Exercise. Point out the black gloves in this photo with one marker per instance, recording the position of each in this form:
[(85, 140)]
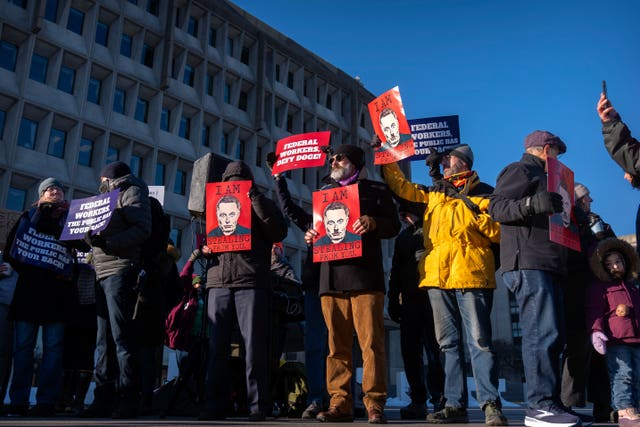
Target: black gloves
[(271, 159), (433, 160), (543, 202), (394, 308), (95, 240)]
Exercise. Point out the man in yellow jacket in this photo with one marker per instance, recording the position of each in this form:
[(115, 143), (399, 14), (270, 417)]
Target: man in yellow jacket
[(458, 270)]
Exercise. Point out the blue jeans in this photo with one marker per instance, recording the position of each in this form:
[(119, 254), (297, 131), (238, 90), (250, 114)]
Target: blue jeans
[(539, 297), (465, 311), (252, 310), (623, 362), (50, 371), (116, 349), (315, 349)]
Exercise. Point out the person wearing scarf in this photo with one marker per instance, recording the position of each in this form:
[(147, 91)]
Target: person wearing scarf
[(458, 271), (44, 297)]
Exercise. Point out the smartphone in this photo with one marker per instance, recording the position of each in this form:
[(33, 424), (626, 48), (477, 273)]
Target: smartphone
[(604, 88)]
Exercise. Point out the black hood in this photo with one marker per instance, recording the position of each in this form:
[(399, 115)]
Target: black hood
[(239, 170)]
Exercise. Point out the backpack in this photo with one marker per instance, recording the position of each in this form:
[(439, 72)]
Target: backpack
[(157, 241), (180, 322), (290, 389)]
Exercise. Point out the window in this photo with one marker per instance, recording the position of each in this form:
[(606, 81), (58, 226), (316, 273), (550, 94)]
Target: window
[(227, 93), (259, 156), (229, 46), (102, 33), (118, 101), (16, 199), (19, 3), (164, 119), (8, 55), (125, 45), (153, 7), (85, 154), (147, 55), (93, 92), (136, 165), (113, 154), (204, 140), (328, 103), (39, 65), (3, 117), (192, 26), (177, 23), (188, 75), (180, 185), (290, 80), (185, 125), (243, 101), (160, 169), (213, 36), (176, 236), (224, 142), (67, 79), (51, 11), (142, 110), (290, 123), (57, 140), (76, 20), (27, 134), (244, 55), (209, 84), (240, 150), (277, 72)]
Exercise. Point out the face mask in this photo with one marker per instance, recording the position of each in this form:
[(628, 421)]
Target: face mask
[(104, 186)]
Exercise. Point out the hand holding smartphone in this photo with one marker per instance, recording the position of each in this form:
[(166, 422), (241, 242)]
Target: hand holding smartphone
[(604, 88)]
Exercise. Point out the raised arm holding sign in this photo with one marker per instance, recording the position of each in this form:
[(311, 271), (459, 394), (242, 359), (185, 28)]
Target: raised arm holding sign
[(391, 126)]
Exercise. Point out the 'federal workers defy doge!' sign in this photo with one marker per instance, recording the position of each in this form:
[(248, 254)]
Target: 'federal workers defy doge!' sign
[(91, 213), (301, 151)]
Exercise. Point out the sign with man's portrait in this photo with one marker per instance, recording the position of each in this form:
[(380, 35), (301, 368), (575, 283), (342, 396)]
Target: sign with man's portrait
[(334, 212), (390, 124), (228, 216), (562, 226), (301, 151)]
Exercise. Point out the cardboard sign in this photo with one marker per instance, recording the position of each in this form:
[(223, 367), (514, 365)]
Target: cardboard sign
[(334, 212), (562, 226), (433, 133), (391, 126), (301, 151), (228, 216), (41, 250), (157, 191), (91, 213)]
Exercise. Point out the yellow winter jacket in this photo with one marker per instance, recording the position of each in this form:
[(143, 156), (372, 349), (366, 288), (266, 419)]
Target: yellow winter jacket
[(456, 240)]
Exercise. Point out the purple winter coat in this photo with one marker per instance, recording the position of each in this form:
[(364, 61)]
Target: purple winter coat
[(605, 294)]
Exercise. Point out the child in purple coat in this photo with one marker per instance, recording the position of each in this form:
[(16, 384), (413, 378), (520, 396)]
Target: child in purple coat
[(613, 316)]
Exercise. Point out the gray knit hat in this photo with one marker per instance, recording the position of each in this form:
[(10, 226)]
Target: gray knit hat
[(46, 183), (580, 191), (461, 151)]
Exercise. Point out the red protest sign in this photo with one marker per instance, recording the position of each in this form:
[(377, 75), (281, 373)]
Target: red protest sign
[(334, 212), (391, 126), (228, 216), (301, 151), (562, 226)]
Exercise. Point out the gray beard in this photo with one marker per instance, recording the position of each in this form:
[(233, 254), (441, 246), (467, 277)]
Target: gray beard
[(341, 173)]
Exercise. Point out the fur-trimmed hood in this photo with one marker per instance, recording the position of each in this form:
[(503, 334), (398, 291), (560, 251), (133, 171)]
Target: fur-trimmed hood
[(612, 244)]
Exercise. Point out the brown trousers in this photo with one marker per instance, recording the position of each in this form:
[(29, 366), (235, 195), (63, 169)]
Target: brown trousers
[(362, 311)]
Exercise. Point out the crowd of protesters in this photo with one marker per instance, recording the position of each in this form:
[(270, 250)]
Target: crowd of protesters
[(107, 307)]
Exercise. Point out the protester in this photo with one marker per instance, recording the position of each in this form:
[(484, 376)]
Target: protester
[(352, 293), (460, 290), (579, 362), (612, 319), (410, 307), (8, 278), (238, 286), (622, 147), (44, 298), (535, 269), (117, 261), (315, 330), (80, 341)]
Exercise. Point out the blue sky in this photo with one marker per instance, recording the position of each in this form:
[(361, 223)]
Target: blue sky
[(506, 67)]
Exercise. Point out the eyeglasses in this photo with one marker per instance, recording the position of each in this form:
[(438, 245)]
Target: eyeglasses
[(336, 158), (53, 190)]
